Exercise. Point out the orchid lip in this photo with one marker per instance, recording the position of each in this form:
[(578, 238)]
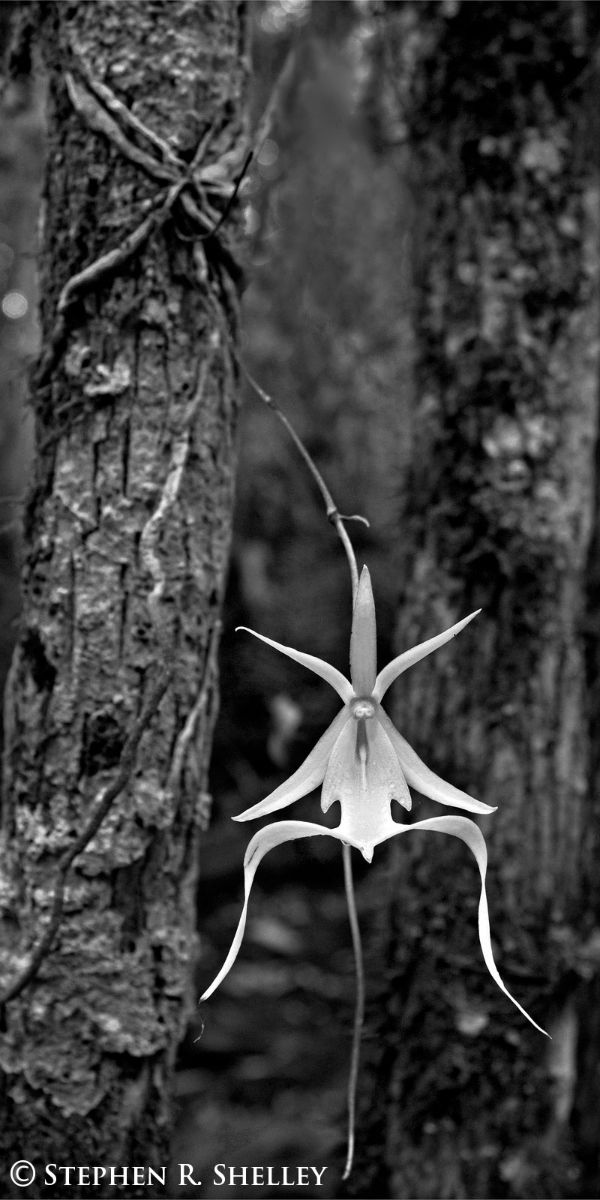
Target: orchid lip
[(284, 831)]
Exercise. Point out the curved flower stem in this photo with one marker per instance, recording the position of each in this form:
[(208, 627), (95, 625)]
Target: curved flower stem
[(337, 520), (359, 1007), (333, 513)]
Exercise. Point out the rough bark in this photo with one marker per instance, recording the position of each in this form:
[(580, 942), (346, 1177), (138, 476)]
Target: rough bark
[(128, 532), (465, 1098)]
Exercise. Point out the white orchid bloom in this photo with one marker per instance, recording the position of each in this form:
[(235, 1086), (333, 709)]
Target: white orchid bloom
[(364, 763)]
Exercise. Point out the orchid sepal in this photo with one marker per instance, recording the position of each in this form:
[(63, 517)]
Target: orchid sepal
[(330, 674), (363, 638), (399, 665)]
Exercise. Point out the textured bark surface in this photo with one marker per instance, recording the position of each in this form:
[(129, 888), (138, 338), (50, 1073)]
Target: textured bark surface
[(465, 1098), (128, 534)]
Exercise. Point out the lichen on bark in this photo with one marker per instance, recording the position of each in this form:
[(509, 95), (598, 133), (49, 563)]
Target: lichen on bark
[(135, 418)]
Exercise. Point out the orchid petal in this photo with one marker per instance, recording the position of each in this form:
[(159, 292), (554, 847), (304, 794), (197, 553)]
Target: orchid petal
[(364, 775), (330, 674), (363, 639), (470, 833), (423, 779), (308, 776), (400, 664), (266, 839)]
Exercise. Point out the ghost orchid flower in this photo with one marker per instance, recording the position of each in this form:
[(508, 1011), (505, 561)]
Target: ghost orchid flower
[(364, 763)]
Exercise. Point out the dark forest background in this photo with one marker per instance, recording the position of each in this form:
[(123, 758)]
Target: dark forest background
[(385, 197)]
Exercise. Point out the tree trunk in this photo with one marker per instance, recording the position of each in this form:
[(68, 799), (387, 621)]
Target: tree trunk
[(465, 1098), (113, 686)]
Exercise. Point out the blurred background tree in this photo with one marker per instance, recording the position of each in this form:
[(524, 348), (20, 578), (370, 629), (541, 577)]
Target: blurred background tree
[(500, 513)]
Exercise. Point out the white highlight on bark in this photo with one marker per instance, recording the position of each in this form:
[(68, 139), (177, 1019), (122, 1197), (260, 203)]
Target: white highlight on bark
[(149, 540)]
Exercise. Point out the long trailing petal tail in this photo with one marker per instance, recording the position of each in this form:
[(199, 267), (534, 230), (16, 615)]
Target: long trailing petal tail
[(419, 776), (288, 831), (330, 674), (308, 776), (400, 664), (266, 839), (469, 833)]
